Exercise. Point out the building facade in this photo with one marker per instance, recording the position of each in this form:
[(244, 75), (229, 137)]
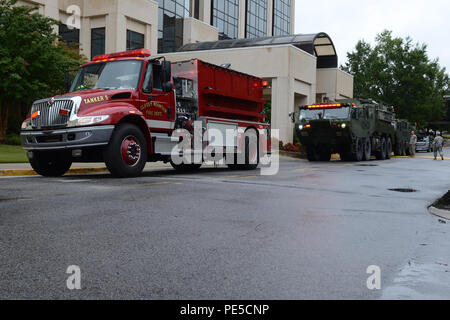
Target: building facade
[(299, 73), (103, 26)]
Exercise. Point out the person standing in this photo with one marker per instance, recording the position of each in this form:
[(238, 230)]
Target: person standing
[(412, 144), (438, 145)]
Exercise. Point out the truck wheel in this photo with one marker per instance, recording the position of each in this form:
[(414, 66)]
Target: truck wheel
[(381, 154), (311, 153), (388, 148), (51, 164), (126, 154), (358, 153), (367, 149)]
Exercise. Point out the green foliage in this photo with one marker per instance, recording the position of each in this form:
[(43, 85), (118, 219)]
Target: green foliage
[(32, 59), (13, 139), (398, 72), (268, 111)]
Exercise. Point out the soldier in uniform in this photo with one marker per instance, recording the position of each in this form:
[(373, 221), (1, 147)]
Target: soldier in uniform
[(412, 144), (438, 145)]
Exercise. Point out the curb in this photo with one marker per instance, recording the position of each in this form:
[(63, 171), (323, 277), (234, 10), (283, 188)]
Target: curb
[(439, 213), (30, 172)]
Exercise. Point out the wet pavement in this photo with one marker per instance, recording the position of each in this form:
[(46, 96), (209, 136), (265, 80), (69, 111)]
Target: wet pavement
[(309, 232)]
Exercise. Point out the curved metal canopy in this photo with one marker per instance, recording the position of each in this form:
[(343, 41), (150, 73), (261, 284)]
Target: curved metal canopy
[(318, 44)]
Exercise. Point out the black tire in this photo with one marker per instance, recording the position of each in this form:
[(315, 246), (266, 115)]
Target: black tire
[(388, 148), (52, 163), (249, 164), (126, 134), (358, 152), (367, 149), (381, 154), (311, 154)]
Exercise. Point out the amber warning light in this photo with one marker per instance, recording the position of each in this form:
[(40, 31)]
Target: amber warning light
[(327, 106)]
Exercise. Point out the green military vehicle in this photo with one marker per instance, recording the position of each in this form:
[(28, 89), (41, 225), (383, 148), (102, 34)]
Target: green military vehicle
[(403, 130), (356, 129)]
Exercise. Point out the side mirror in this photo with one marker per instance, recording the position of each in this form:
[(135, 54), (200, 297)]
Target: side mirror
[(166, 68), (292, 116)]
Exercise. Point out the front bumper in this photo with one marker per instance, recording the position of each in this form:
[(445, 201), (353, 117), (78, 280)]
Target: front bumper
[(67, 138)]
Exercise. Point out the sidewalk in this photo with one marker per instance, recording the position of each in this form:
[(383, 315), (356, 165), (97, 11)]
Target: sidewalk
[(24, 169)]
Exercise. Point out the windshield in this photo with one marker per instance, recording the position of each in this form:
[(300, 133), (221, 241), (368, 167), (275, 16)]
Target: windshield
[(327, 114), (109, 76)]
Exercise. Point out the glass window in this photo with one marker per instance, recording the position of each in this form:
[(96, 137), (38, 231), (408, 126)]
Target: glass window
[(70, 36), (171, 14), (97, 42), (256, 23), (225, 17), (135, 40), (108, 76), (327, 114), (281, 17)]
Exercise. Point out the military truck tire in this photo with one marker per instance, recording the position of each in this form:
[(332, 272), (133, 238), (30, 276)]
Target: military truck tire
[(311, 154), (358, 153), (126, 154), (388, 148), (367, 149), (381, 154), (51, 164)]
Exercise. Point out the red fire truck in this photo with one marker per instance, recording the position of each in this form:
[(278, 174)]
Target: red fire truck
[(123, 108)]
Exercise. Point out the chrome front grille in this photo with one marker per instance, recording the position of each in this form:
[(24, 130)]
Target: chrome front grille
[(56, 114)]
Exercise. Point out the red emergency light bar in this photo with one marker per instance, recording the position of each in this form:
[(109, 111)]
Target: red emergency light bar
[(124, 54)]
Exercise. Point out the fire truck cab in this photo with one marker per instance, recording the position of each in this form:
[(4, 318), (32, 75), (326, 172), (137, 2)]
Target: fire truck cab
[(127, 108)]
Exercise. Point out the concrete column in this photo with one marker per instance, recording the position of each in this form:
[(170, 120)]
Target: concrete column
[(282, 105), (242, 18), (151, 38), (269, 18), (51, 10), (292, 16), (205, 11), (85, 37)]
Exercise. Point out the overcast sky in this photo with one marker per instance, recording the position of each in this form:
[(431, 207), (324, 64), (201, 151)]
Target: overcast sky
[(347, 21)]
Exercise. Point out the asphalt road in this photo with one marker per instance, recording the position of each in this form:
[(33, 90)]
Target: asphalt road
[(309, 232)]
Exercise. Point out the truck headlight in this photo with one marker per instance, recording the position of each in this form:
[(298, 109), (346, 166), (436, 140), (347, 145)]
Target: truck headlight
[(87, 121), (300, 127), (26, 125), (344, 125)]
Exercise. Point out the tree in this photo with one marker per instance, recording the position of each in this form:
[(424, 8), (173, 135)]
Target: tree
[(32, 60), (398, 72)]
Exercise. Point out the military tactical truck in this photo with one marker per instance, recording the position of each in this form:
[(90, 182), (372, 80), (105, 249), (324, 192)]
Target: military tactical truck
[(356, 129), (403, 130)]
